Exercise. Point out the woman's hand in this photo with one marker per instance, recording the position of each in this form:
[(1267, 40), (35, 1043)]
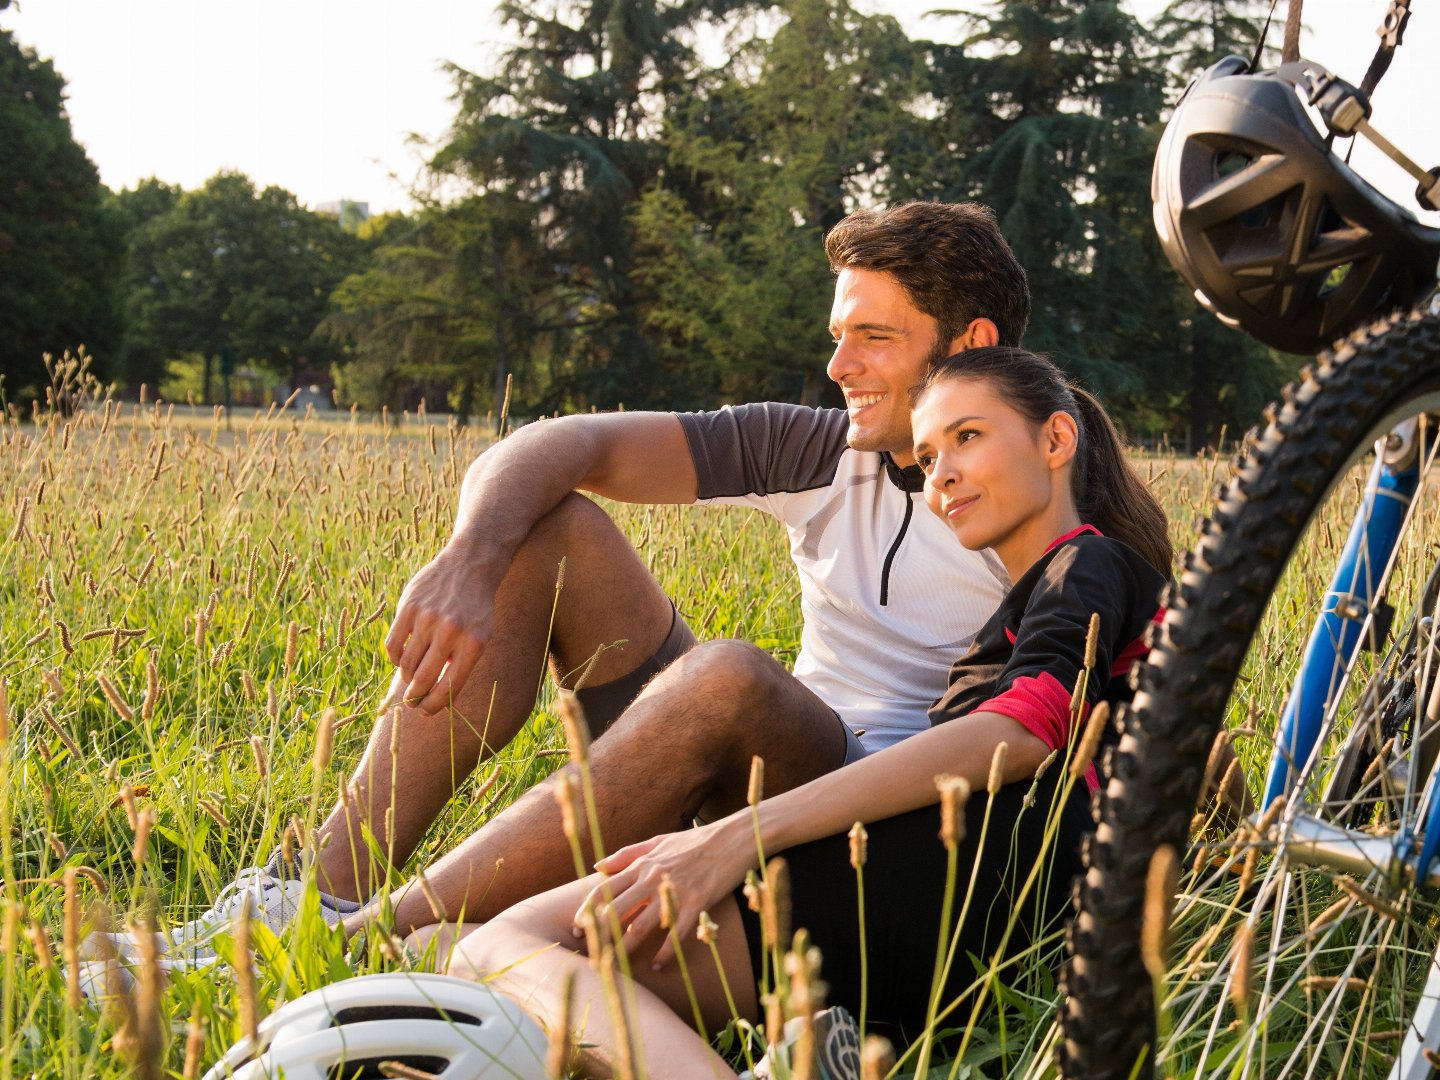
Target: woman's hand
[(703, 865)]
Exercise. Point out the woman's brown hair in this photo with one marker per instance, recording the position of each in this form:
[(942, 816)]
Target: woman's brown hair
[(1108, 492)]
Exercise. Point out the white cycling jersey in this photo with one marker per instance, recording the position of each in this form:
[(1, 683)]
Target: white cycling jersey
[(890, 598)]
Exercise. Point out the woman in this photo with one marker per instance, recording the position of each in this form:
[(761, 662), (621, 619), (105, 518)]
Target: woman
[(1018, 461)]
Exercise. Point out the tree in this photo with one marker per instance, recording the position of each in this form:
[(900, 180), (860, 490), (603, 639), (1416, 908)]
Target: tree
[(441, 307), (1050, 112), (59, 248), (771, 150), (567, 129), (227, 267), (1046, 114), (144, 356), (1193, 34)]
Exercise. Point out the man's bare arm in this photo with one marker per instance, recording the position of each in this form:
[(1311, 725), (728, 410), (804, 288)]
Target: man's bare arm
[(444, 615)]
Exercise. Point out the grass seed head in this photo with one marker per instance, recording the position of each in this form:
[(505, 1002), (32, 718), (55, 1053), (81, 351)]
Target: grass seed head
[(754, 890), (144, 821), (152, 690), (14, 916), (877, 1058), (324, 743), (997, 768), (1160, 886), (194, 1043), (431, 897), (577, 731), (954, 795), (70, 937), (775, 905), (292, 645), (112, 695), (245, 974), (261, 756), (755, 790), (40, 941), (1240, 968), (667, 902), (557, 1055), (1095, 727), (859, 845), (1092, 640), (127, 800), (565, 796)]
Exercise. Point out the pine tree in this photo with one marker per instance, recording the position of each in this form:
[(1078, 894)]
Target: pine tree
[(567, 128)]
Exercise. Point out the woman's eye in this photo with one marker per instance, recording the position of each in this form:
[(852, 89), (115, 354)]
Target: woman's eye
[(926, 462)]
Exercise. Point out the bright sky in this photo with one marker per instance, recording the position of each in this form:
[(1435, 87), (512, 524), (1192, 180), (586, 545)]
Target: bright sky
[(321, 96)]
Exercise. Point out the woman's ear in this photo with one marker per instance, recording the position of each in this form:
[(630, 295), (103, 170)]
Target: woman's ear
[(1062, 439)]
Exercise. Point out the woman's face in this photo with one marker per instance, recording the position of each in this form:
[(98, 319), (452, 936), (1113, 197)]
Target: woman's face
[(996, 478)]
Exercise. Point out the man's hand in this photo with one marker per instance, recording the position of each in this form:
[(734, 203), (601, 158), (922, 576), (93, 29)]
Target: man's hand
[(441, 626)]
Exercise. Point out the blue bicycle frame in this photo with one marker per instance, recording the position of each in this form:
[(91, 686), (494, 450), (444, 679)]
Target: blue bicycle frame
[(1338, 635)]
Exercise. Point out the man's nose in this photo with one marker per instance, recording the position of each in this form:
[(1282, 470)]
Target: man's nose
[(844, 361)]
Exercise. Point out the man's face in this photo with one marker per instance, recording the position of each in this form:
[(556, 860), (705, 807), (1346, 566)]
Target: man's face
[(883, 344)]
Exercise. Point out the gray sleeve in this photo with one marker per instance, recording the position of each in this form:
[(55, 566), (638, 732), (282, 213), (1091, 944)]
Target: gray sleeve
[(764, 448)]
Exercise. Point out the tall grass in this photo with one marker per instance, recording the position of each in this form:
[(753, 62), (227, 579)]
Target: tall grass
[(186, 606)]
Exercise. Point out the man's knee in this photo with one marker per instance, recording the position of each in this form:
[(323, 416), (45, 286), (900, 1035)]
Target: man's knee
[(726, 677), (574, 524), (722, 694)]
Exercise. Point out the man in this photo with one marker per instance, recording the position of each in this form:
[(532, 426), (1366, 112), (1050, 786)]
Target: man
[(889, 599)]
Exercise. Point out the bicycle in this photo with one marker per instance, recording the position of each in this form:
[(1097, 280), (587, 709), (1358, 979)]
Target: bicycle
[(1305, 942)]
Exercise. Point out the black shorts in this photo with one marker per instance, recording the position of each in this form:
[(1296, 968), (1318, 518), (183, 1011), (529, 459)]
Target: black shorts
[(904, 889), (603, 704)]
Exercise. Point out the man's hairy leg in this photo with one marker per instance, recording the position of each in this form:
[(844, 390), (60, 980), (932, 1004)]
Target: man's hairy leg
[(683, 748), (408, 773)]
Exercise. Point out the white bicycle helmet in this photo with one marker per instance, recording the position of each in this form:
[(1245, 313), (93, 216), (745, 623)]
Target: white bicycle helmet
[(1273, 231), (448, 1027)]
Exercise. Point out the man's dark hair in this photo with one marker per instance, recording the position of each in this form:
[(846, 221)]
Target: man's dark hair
[(948, 257)]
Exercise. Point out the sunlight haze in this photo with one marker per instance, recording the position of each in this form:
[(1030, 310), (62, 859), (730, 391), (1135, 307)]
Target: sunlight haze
[(321, 96)]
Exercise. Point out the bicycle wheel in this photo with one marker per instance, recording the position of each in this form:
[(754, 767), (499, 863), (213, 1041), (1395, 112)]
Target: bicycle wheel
[(1342, 977)]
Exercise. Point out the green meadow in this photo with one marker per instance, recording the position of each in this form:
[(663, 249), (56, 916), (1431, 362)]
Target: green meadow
[(186, 599)]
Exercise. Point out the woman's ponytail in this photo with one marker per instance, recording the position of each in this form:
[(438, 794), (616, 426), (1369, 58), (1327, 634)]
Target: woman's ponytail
[(1108, 493)]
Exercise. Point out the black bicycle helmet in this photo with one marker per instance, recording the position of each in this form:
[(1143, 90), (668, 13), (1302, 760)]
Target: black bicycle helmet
[(1277, 235)]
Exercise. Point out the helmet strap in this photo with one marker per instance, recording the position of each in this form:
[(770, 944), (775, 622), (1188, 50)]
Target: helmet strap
[(1392, 32)]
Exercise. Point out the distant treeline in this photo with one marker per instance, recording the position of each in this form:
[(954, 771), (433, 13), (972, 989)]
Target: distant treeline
[(629, 209)]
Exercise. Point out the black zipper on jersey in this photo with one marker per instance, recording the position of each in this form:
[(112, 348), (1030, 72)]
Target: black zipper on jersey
[(909, 480), (890, 555)]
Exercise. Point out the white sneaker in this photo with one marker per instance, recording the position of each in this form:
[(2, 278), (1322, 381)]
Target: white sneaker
[(273, 900)]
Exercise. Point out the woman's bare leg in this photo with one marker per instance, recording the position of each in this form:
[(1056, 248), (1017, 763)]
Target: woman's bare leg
[(532, 945)]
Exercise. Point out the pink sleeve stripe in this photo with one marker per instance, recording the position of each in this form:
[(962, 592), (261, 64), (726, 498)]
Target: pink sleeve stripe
[(1137, 650), (1041, 705)]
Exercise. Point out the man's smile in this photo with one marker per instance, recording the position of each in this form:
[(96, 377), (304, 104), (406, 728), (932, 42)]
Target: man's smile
[(859, 399)]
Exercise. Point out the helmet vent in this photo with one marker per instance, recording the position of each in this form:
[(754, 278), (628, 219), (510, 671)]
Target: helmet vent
[(1227, 164), (359, 1014), (1335, 279), (369, 1068)]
